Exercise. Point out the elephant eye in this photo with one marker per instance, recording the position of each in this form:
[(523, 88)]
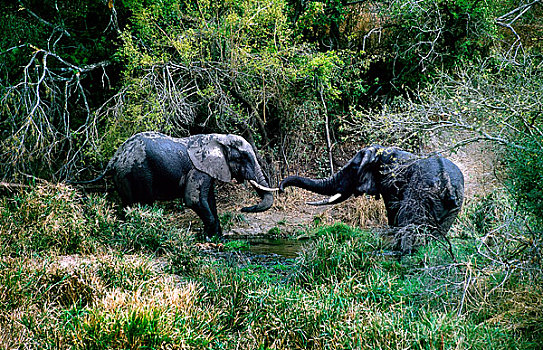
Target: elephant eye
[(234, 154)]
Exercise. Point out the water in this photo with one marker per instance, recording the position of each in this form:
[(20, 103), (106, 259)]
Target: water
[(286, 248), (271, 247)]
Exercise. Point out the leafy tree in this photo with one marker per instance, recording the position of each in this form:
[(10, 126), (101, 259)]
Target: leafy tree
[(286, 74), (227, 67)]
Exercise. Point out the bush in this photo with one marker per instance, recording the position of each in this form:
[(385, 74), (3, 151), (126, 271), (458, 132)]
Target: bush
[(525, 173), (502, 232), (145, 229), (56, 219)]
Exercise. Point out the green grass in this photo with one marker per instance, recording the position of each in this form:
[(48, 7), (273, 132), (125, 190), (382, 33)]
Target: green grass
[(141, 283), (228, 219), (237, 245)]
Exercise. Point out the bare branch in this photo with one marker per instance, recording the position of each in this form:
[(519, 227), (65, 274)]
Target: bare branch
[(41, 20), (509, 19), (484, 107), (41, 122)]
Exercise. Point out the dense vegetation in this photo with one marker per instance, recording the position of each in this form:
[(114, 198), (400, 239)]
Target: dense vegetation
[(77, 79), (142, 282), (305, 82)]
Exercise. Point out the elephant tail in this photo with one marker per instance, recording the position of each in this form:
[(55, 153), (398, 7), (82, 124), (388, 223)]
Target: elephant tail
[(453, 196), (106, 172), (100, 177)]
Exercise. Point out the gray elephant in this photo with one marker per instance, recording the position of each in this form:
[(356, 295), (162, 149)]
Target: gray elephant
[(419, 192), (152, 166)]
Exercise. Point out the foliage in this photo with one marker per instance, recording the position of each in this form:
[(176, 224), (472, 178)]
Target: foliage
[(237, 245), (506, 233), (145, 229), (54, 219), (525, 169), (429, 34), (342, 282), (320, 22), (283, 74), (338, 252), (214, 54)]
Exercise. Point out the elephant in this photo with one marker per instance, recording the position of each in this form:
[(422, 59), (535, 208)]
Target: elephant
[(418, 192), (152, 166)]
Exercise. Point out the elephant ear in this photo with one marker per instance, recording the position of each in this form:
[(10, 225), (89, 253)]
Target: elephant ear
[(366, 170), (370, 155), (207, 154)]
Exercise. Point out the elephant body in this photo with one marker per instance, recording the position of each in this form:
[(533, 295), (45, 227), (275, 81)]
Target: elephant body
[(418, 192), (151, 166)]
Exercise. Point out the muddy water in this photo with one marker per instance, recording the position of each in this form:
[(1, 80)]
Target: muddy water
[(277, 254), (285, 248)]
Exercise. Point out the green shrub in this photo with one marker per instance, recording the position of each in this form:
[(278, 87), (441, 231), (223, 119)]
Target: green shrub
[(494, 226), (56, 219), (237, 245), (145, 229), (525, 172), (25, 282), (486, 212), (102, 216)]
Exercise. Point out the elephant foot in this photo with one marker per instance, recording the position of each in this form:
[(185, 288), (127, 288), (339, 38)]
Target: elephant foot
[(210, 236)]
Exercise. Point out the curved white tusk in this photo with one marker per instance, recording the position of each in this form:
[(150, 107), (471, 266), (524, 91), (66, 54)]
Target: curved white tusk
[(327, 200), (263, 188)]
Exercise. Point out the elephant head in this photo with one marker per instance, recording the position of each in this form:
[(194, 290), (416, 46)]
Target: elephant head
[(227, 157)]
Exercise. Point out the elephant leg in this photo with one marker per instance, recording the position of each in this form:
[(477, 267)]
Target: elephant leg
[(135, 186), (200, 197), (410, 218)]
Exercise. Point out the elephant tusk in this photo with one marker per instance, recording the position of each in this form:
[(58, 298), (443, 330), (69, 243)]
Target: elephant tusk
[(327, 201), (263, 188)]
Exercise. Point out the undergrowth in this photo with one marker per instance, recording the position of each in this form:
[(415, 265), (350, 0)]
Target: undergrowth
[(140, 282)]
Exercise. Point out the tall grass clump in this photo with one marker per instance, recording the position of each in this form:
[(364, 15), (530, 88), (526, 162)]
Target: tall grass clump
[(56, 219), (43, 301), (147, 229), (144, 318), (338, 252), (44, 218)]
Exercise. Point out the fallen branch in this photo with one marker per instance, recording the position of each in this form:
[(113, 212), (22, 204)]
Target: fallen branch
[(7, 187)]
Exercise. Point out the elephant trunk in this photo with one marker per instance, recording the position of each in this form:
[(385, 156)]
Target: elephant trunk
[(261, 186), (327, 187)]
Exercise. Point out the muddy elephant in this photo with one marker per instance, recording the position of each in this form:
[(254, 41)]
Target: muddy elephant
[(418, 192), (151, 166)]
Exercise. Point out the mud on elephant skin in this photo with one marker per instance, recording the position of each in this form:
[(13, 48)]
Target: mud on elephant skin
[(151, 166), (421, 194)]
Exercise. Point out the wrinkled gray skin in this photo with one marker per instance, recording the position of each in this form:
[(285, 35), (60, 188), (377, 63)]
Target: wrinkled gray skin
[(417, 192), (152, 166)]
